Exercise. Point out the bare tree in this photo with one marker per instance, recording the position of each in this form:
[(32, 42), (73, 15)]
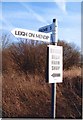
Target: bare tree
[(5, 41)]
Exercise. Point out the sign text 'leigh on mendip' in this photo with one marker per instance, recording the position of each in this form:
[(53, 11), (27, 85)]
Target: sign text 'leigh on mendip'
[(29, 34)]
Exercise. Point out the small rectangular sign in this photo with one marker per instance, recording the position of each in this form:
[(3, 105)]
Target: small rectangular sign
[(55, 64), (46, 29), (29, 34)]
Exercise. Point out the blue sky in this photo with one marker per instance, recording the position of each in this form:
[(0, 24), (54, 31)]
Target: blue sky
[(33, 15)]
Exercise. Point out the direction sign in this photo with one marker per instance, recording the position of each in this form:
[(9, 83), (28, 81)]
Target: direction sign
[(55, 64), (29, 34), (46, 29)]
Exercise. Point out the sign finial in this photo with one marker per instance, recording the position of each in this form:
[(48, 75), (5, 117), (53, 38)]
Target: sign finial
[(54, 20)]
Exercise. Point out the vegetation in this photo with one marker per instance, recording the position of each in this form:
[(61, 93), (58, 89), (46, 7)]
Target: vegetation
[(25, 91), (29, 57)]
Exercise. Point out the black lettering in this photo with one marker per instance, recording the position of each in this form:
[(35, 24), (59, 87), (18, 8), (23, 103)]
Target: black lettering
[(55, 62), (39, 36), (55, 67), (31, 35), (23, 33), (47, 37), (26, 34), (58, 75), (44, 37), (16, 33), (19, 33)]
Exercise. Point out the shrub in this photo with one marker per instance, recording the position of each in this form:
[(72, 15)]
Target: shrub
[(31, 57), (6, 61), (71, 55)]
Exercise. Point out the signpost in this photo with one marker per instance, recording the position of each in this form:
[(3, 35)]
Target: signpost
[(29, 34), (54, 42), (52, 28), (54, 60), (55, 57)]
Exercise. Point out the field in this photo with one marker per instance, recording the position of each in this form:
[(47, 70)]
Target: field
[(30, 96), (25, 92)]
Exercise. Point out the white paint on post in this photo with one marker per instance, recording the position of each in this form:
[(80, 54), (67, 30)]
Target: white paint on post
[(55, 31), (54, 100), (54, 41), (52, 72), (29, 34)]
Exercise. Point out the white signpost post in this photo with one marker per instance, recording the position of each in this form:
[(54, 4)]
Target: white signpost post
[(55, 55), (55, 58)]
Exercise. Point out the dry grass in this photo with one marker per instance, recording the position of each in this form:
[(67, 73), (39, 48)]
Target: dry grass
[(0, 90), (73, 72), (25, 96), (69, 95), (30, 96), (25, 92)]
